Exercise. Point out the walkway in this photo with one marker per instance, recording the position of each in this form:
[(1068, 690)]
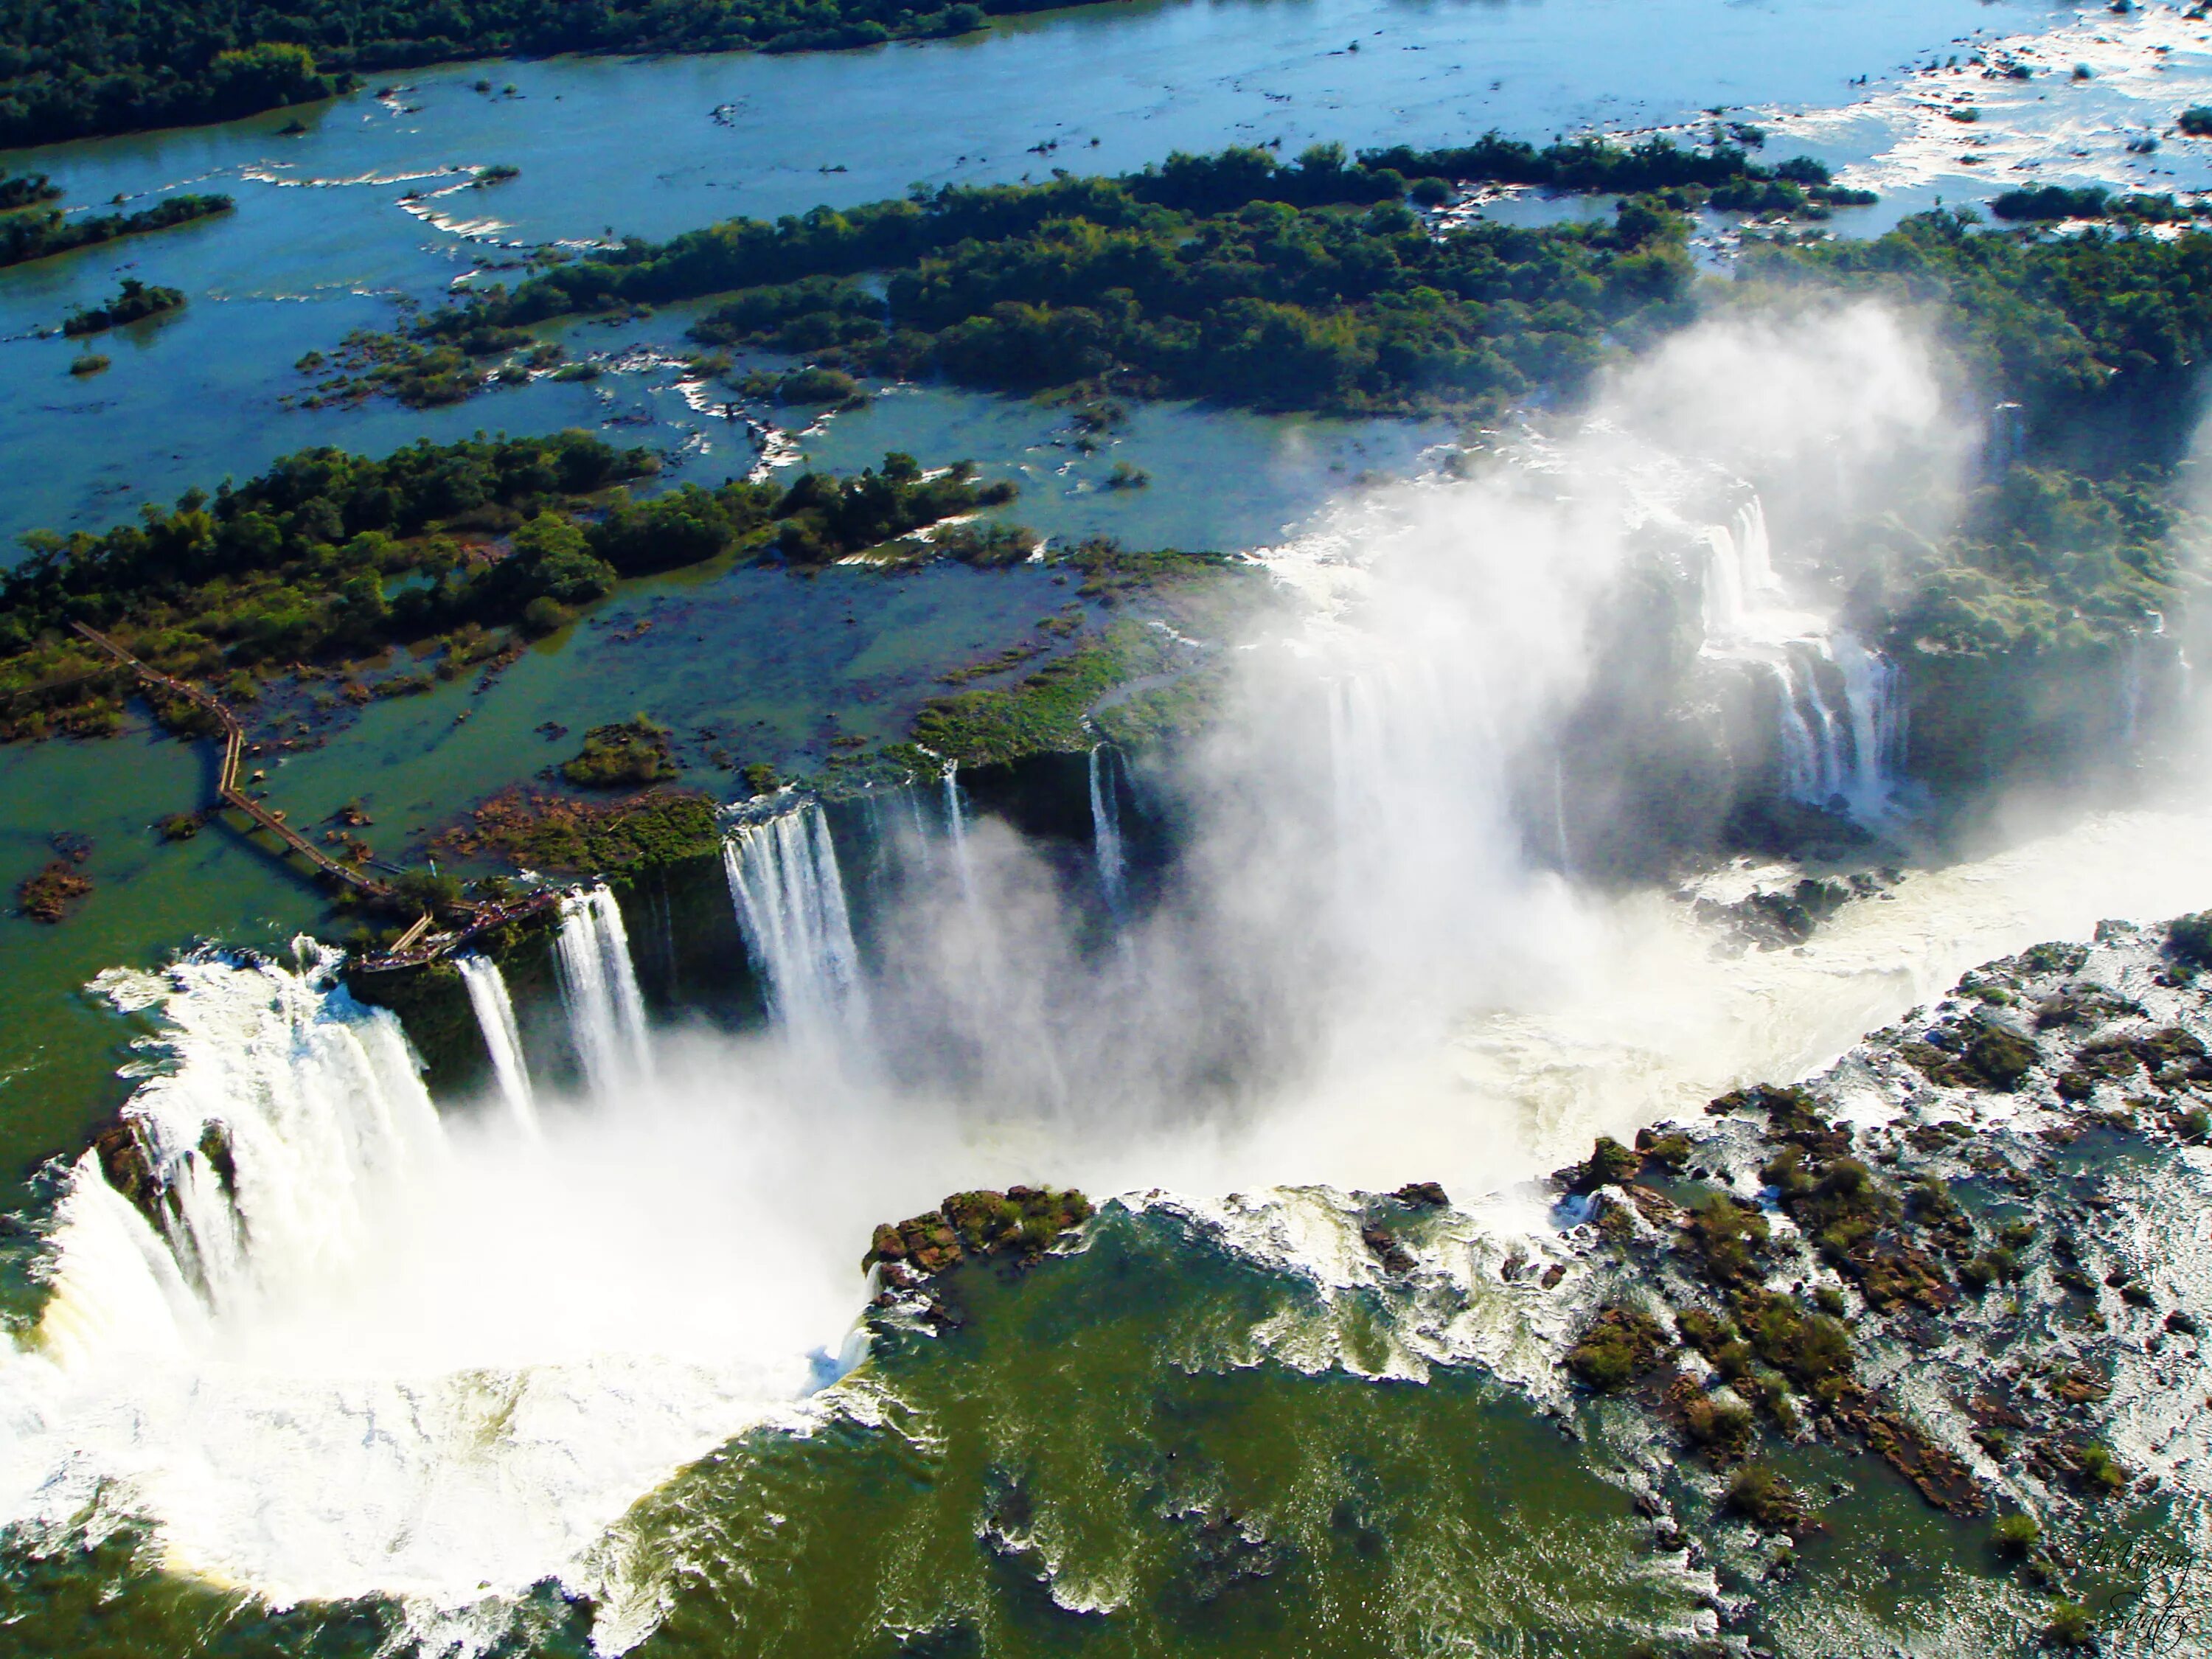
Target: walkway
[(415, 948)]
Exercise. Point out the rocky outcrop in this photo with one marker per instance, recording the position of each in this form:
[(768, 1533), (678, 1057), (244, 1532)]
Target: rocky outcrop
[(1022, 1222), (1941, 1257)]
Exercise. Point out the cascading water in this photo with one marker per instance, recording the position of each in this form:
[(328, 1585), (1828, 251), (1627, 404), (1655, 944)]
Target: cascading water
[(1839, 714), (267, 1145), (790, 900), (328, 1347), (955, 829), (1740, 589), (1106, 829), (502, 1037), (598, 984)]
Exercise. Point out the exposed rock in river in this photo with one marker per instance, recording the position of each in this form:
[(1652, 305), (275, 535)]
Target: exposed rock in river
[(1953, 1251)]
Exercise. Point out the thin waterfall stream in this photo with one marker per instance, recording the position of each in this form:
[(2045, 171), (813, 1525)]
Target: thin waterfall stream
[(502, 1037), (598, 984), (1840, 708)]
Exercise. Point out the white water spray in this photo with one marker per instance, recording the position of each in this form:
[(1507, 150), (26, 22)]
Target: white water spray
[(598, 984), (502, 1037), (790, 900)]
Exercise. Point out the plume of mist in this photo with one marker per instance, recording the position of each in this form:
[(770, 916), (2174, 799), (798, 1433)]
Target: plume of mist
[(1356, 877)]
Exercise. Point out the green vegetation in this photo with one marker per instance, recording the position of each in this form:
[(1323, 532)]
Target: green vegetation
[(1046, 712), (1760, 1494), (133, 303), (75, 67), (2046, 203), (2189, 939), (560, 834), (2071, 1626), (627, 755), (90, 363), (53, 892), (1231, 276), (297, 565), (1022, 1221), (1620, 1344), (26, 189), (44, 231), (2097, 336)]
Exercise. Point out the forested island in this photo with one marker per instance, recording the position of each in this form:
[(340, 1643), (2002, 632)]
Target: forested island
[(1231, 276), (328, 555), (40, 233), (78, 68), (134, 302)]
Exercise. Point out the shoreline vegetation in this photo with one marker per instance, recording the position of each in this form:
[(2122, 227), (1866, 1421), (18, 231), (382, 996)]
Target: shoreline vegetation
[(89, 68), (294, 595), (40, 233)]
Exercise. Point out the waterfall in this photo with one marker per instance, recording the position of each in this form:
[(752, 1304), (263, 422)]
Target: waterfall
[(790, 900), (250, 1161), (1840, 716), (1559, 816), (1841, 724), (502, 1039), (1106, 829), (606, 1014), (956, 827), (1876, 716), (1740, 582)]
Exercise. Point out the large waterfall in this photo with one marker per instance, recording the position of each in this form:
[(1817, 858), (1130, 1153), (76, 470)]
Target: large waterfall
[(790, 899), (259, 1153), (1106, 829), (502, 1038), (329, 1347), (598, 984), (1840, 709)]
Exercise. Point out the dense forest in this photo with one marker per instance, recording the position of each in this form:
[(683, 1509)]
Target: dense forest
[(1232, 277), (329, 556), (70, 68)]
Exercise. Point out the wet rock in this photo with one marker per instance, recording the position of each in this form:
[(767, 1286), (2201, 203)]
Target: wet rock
[(1609, 1165), (1395, 1258), (127, 1164), (1022, 1222)]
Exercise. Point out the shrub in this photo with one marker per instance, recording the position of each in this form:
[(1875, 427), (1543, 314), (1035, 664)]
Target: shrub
[(2190, 938), (2015, 1534), (626, 755), (2071, 1626), (1620, 1344), (1759, 1493), (2195, 121)]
